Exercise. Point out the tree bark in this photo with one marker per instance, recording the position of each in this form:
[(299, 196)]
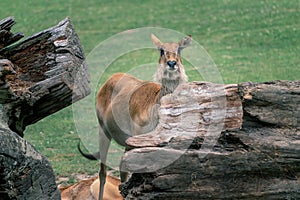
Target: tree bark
[(7, 37), (259, 161), (38, 76), (50, 75), (274, 103), (192, 111), (24, 172)]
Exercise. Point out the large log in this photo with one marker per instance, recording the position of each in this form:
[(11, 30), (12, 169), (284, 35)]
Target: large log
[(193, 111), (38, 76), (24, 172), (50, 75), (259, 161)]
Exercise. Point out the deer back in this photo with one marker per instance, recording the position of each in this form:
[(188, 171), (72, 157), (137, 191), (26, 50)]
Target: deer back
[(125, 106)]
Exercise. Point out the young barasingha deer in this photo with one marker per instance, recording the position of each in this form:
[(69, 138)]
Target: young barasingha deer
[(127, 106)]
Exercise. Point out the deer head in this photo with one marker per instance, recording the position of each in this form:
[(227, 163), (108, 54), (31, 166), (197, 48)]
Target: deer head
[(170, 72)]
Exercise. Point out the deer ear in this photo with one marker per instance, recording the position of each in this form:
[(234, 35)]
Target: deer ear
[(156, 41), (185, 42)]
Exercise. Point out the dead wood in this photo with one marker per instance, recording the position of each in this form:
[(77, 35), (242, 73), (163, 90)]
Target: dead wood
[(38, 76), (259, 161)]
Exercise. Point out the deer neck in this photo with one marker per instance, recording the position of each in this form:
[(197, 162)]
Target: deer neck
[(168, 86), (169, 81)]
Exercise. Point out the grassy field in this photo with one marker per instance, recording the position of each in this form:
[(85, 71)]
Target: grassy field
[(248, 40)]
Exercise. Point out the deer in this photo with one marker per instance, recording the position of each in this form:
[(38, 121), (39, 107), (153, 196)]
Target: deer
[(127, 106), (88, 189)]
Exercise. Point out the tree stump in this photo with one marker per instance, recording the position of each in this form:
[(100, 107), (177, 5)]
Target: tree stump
[(260, 160), (38, 76)]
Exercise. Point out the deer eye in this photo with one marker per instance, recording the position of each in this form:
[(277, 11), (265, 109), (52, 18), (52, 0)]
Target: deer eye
[(162, 52)]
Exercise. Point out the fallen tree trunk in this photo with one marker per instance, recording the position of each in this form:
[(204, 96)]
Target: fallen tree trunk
[(50, 74), (24, 172), (259, 161), (38, 76)]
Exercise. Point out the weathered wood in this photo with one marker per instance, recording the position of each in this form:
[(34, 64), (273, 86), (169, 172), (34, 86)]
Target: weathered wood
[(50, 75), (193, 111), (38, 76), (24, 172), (271, 103), (259, 161), (6, 36)]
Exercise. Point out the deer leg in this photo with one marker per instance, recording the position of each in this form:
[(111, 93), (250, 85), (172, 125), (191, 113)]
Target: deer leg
[(102, 178), (123, 173), (104, 143)]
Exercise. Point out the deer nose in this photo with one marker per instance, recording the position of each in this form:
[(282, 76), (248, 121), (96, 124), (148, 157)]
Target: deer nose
[(171, 64)]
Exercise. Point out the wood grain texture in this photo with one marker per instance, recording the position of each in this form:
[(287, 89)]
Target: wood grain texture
[(259, 161), (50, 75), (192, 111), (24, 172), (38, 76), (6, 36)]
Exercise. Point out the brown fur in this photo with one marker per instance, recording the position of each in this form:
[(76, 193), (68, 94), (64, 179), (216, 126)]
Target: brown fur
[(127, 106), (89, 190)]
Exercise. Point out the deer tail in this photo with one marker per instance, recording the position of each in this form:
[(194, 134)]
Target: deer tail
[(93, 156)]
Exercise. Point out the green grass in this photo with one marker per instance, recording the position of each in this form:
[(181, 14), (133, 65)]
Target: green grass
[(248, 41)]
